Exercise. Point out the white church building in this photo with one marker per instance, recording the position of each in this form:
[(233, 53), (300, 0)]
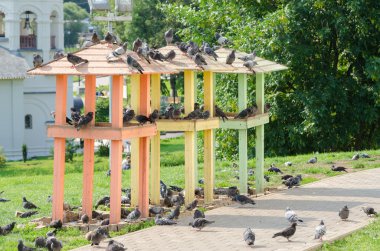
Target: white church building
[(28, 27)]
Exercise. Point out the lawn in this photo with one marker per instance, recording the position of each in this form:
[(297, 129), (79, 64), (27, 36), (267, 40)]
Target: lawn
[(34, 180)]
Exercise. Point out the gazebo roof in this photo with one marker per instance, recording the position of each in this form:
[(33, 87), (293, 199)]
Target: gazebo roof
[(11, 66), (263, 65), (98, 64)]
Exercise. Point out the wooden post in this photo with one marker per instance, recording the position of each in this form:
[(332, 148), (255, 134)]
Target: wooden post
[(209, 138), (88, 149), (243, 141), (135, 143), (189, 139), (144, 148), (260, 135), (155, 143), (116, 149), (59, 148)]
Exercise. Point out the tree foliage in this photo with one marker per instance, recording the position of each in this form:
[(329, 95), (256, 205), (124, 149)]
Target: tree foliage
[(328, 99), (73, 15)]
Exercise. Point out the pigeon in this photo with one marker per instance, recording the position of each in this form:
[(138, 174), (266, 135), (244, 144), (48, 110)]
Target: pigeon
[(338, 168), (163, 221), (356, 157), (118, 52), (170, 55), (200, 223), (250, 172), (134, 215), (105, 222), (198, 214), (163, 189), (287, 233), (182, 46), (344, 212), (286, 176), (243, 114), (37, 60), (267, 178), (231, 57), (56, 224), (125, 200), (169, 36), (192, 205), (40, 242), (288, 163), (27, 204), (103, 201), (128, 115), (143, 53), (75, 60), (248, 57), (206, 114), (199, 192), (58, 55), (28, 214), (68, 121), (153, 116), (291, 216), (22, 247), (156, 55), (4, 200), (56, 245), (199, 60), (75, 115), (267, 107), (7, 229), (97, 235), (142, 119), (221, 40), (201, 181), (136, 44), (174, 213), (320, 231), (51, 233), (369, 211), (219, 113), (312, 160), (197, 106), (115, 246), (249, 237), (293, 181), (84, 120), (242, 199), (85, 219), (131, 62), (250, 64), (176, 188), (274, 169), (110, 39), (209, 51), (95, 39), (364, 155), (192, 49), (156, 210), (232, 191), (196, 114), (87, 44)]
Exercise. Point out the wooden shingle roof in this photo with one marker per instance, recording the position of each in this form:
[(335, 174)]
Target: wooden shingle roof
[(98, 64)]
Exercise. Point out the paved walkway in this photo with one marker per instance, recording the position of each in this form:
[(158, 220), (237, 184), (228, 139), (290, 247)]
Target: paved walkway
[(319, 200)]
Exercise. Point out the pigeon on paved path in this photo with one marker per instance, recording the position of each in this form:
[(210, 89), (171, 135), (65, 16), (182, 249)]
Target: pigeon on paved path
[(344, 213), (198, 214), (242, 199), (293, 181), (115, 246), (291, 216), (370, 211), (175, 213), (287, 233), (200, 223), (192, 205), (163, 221), (320, 231), (27, 204), (249, 237)]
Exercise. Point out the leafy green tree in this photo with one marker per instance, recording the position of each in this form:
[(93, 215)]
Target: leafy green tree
[(73, 15), (82, 3), (102, 110)]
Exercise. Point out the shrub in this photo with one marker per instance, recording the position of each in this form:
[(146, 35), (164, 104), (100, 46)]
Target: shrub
[(24, 152), (70, 150), (104, 150), (2, 157)]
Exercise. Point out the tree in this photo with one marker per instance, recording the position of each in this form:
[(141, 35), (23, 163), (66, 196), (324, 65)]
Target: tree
[(82, 3), (73, 15)]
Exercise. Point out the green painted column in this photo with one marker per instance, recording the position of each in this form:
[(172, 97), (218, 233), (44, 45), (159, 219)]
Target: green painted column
[(196, 175), (260, 135), (214, 135), (243, 141)]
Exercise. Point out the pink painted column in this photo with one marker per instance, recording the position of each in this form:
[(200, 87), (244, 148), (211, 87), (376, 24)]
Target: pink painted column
[(59, 148), (88, 150), (144, 148), (116, 149)]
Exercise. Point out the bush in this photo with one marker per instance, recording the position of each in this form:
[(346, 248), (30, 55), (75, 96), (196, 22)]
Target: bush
[(104, 150), (24, 152), (2, 157), (70, 150)]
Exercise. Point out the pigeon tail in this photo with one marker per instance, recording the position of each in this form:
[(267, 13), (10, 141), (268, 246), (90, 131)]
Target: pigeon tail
[(277, 234)]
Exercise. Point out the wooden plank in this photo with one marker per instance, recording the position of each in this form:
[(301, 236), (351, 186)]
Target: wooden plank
[(257, 120), (116, 149), (259, 178), (135, 143), (59, 148), (211, 123), (155, 143), (243, 141), (144, 148), (88, 149)]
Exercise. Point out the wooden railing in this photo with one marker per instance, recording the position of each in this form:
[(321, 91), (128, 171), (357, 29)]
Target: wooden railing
[(28, 42)]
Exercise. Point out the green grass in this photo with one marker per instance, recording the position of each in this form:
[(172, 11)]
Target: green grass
[(367, 239), (34, 179)]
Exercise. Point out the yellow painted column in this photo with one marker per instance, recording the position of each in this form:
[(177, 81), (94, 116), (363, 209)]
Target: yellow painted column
[(155, 175), (259, 178), (209, 138), (189, 139), (135, 143)]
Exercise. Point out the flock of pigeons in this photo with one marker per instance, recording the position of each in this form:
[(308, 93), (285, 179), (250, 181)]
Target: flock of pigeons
[(77, 119)]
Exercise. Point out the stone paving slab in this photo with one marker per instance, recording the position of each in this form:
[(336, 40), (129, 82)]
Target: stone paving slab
[(312, 202)]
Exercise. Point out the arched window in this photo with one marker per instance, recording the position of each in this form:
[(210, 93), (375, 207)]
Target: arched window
[(2, 24), (28, 121)]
